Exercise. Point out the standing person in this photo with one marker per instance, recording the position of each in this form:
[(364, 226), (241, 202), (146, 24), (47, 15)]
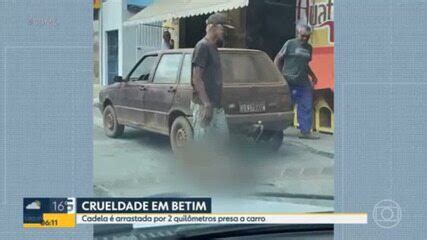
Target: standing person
[(293, 60), (209, 157), (167, 42), (208, 114)]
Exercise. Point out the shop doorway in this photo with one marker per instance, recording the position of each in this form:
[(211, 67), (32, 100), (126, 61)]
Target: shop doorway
[(112, 55), (192, 29), (269, 24)]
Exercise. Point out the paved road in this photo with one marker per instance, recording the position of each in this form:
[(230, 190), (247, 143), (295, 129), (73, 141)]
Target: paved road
[(142, 164)]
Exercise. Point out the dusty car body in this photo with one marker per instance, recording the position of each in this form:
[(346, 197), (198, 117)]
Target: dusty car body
[(157, 92)]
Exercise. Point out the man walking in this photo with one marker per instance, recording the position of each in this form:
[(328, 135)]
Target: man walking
[(208, 159), (208, 114), (293, 60)]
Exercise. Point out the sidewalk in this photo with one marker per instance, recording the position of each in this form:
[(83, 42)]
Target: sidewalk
[(323, 146), (96, 89)]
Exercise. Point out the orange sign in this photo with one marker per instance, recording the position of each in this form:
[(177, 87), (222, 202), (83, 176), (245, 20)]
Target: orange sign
[(319, 14)]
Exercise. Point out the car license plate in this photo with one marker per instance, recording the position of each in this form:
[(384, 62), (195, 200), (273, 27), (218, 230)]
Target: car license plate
[(252, 107)]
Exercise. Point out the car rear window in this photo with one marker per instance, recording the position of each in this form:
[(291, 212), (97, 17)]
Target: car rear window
[(248, 67)]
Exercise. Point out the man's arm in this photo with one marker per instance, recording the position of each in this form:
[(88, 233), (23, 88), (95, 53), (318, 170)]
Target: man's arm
[(312, 75), (172, 44), (199, 86), (278, 61), (280, 57), (310, 71)]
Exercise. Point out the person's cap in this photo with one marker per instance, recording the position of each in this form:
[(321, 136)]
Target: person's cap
[(219, 18)]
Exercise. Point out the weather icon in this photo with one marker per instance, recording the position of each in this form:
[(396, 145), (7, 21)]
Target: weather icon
[(34, 205)]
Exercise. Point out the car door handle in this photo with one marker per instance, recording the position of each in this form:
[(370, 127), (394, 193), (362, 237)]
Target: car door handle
[(142, 88), (172, 89)]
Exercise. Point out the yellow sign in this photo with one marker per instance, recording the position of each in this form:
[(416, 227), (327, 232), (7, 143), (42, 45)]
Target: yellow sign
[(54, 220), (96, 4), (320, 15)]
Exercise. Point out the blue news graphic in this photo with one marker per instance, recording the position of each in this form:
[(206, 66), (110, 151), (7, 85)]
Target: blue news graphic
[(144, 205), (34, 208)]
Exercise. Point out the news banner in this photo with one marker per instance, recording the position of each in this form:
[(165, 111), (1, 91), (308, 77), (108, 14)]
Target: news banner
[(67, 212)]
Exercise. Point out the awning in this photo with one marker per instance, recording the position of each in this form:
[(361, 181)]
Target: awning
[(140, 3), (168, 9)]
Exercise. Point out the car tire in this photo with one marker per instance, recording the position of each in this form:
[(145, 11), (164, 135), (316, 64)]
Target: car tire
[(180, 133), (112, 128), (273, 140)]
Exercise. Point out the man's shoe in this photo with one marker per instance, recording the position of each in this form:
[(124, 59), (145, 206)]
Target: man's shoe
[(308, 136)]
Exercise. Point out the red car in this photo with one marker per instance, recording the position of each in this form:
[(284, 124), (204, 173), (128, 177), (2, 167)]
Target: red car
[(156, 96)]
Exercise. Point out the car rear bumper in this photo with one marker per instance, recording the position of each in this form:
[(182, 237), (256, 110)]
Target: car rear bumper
[(270, 121)]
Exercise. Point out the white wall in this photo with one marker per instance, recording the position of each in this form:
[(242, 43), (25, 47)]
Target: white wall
[(112, 16), (129, 48), (149, 38)]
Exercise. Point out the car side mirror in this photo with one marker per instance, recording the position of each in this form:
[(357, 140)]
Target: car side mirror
[(118, 79)]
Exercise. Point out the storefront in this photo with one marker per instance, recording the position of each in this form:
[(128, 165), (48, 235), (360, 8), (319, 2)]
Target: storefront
[(263, 25)]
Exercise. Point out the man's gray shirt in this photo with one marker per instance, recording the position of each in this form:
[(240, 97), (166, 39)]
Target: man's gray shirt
[(206, 56), (297, 55)]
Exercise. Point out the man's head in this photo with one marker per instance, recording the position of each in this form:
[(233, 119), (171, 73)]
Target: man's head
[(167, 36), (303, 32), (215, 26)]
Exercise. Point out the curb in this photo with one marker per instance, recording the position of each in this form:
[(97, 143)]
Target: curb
[(311, 149)]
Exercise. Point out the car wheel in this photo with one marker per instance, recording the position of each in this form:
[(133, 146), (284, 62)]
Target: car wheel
[(112, 128), (181, 133), (273, 139)]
